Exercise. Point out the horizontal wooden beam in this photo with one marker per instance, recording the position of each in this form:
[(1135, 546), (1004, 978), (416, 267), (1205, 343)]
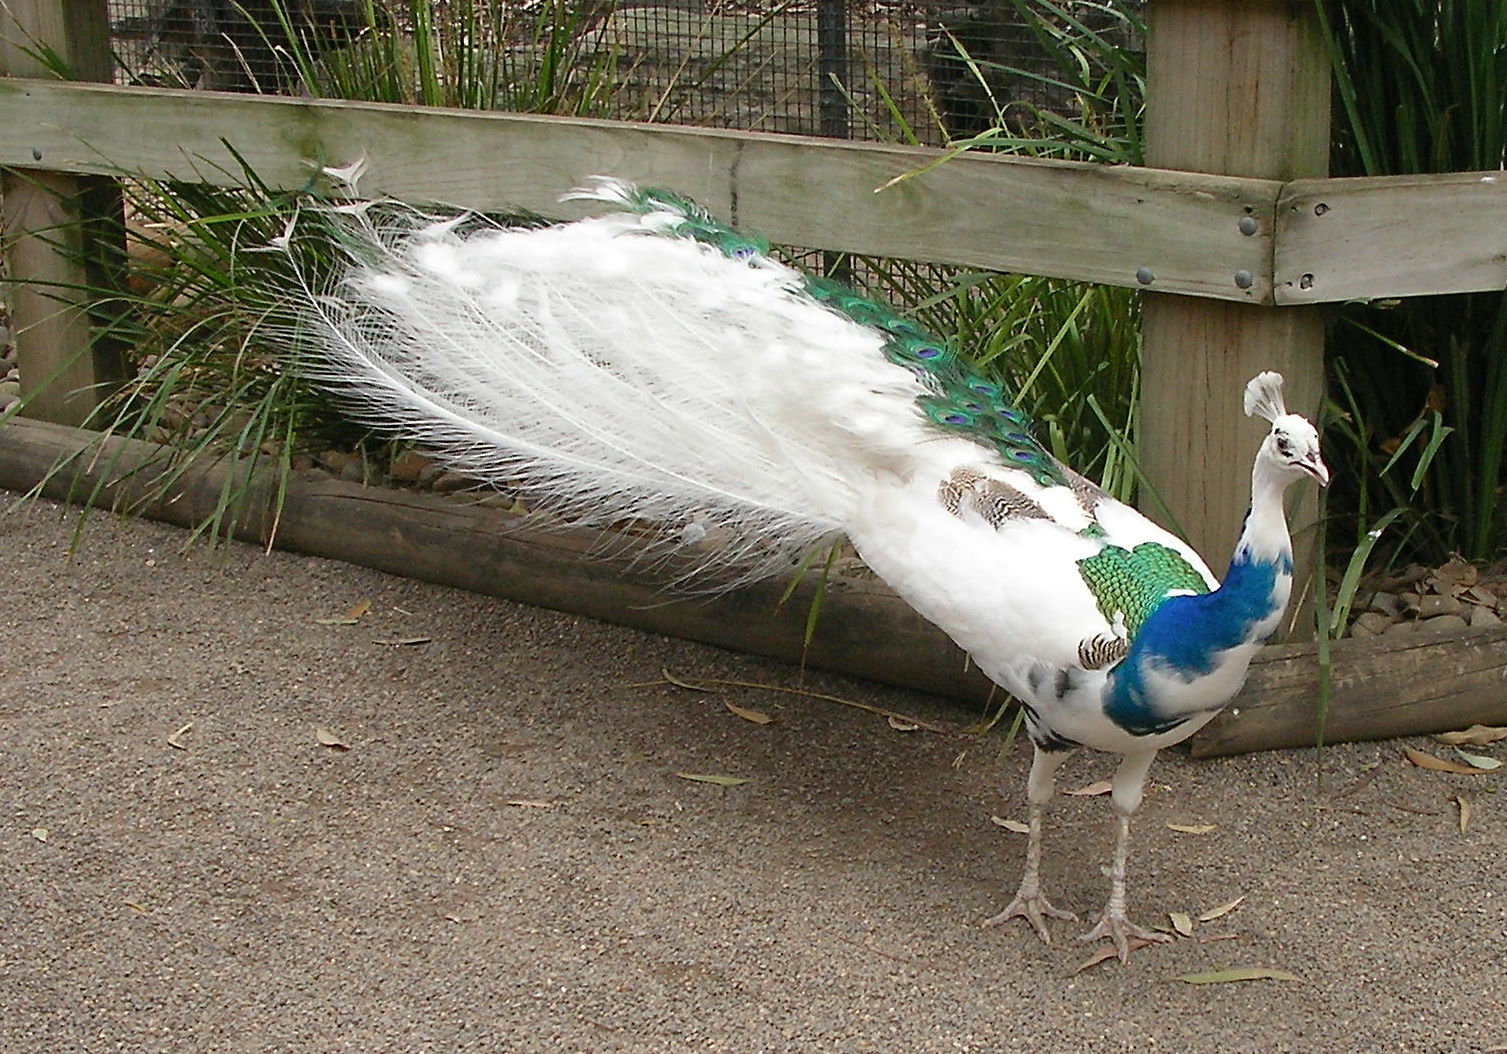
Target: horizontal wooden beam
[(1169, 231), (1421, 682), (1390, 236), (455, 542)]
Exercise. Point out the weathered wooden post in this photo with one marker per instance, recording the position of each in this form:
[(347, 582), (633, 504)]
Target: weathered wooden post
[(61, 233), (1234, 87)]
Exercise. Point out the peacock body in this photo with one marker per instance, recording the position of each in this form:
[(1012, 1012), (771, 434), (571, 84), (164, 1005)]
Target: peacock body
[(653, 364)]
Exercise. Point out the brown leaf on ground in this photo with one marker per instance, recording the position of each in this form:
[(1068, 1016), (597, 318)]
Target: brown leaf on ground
[(1194, 828), (1464, 804), (1010, 825), (707, 777), (1108, 952), (1239, 973), (1474, 736), (328, 738), (1182, 922), (1102, 787), (757, 717), (176, 739), (350, 618), (1221, 911), (1424, 760)]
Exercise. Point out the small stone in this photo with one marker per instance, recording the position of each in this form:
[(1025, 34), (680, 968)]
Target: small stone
[(1370, 624), (10, 388), (335, 460), (353, 471), (1400, 628), (1409, 603), (1444, 624), (1389, 604), (450, 482), (408, 466), (1456, 572), (1479, 594), (1484, 616), (1431, 607)]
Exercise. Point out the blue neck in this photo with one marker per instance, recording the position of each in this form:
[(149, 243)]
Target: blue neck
[(1187, 637)]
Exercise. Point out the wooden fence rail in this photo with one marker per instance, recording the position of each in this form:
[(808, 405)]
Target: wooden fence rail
[(1238, 221)]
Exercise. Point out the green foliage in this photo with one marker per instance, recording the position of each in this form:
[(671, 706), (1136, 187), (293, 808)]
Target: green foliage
[(472, 54), (1419, 386), (1094, 68), (1070, 351)]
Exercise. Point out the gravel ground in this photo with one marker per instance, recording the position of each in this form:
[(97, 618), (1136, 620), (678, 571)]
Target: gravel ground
[(504, 857)]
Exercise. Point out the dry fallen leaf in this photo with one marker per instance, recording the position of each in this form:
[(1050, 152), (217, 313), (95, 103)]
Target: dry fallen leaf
[(1464, 805), (720, 781), (1182, 922), (528, 803), (40, 833), (1108, 952), (758, 717), (1239, 973), (901, 725), (350, 618), (1194, 828), (1010, 825), (176, 739), (1221, 911), (404, 642), (1102, 787), (680, 682), (1424, 760), (330, 739), (1474, 736), (1479, 761)]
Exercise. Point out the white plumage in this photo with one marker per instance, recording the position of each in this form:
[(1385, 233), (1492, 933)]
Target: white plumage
[(653, 365)]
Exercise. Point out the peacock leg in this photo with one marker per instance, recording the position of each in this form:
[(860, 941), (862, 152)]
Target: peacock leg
[(1129, 780), (1029, 904)]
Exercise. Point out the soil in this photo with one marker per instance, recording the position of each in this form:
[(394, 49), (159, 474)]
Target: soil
[(261, 802)]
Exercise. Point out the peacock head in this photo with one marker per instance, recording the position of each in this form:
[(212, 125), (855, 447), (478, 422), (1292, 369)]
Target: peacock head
[(1292, 446)]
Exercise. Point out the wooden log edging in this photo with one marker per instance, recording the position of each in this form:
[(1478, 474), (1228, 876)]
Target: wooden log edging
[(864, 629), (1382, 687)]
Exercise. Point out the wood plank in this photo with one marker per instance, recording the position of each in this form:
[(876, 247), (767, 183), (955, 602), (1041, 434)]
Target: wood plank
[(1233, 87), (1092, 222), (1342, 239), (1387, 687), (1412, 684), (62, 233)]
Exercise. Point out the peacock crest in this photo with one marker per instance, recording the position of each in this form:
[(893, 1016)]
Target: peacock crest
[(958, 400)]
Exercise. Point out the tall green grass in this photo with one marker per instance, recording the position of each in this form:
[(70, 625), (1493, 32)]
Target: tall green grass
[(1420, 386), (1070, 350)]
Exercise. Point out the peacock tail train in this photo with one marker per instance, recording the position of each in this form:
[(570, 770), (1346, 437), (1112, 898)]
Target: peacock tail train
[(649, 365)]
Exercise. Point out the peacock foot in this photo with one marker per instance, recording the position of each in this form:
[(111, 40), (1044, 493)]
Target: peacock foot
[(1124, 934), (1035, 909)]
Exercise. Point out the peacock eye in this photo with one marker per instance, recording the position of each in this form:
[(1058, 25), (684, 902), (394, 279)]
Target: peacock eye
[(1283, 446)]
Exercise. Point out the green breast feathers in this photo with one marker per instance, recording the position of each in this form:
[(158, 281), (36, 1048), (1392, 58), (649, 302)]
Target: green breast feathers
[(1129, 584)]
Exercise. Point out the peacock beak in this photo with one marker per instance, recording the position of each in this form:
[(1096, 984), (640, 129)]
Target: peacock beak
[(1315, 467)]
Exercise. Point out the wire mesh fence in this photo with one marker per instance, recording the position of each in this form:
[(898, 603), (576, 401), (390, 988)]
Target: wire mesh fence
[(907, 70)]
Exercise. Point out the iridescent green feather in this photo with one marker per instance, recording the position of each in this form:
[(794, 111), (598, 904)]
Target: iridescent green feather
[(959, 400), (1133, 582)]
